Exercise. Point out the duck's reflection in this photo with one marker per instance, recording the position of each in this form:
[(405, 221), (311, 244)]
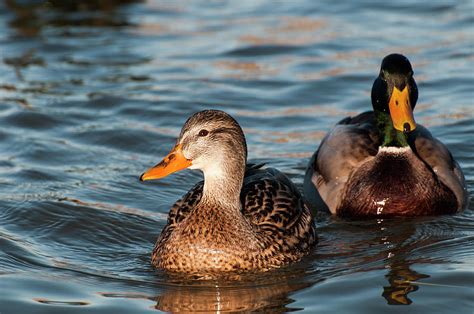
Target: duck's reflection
[(402, 281), (268, 293), (232, 296), (401, 278)]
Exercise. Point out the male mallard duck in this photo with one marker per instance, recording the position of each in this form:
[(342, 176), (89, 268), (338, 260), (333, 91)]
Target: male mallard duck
[(238, 218), (380, 163)]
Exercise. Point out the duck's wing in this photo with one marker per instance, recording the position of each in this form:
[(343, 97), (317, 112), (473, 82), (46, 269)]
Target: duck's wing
[(351, 142), (272, 202), (437, 156)]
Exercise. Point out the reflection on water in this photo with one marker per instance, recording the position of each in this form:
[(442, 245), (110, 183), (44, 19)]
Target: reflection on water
[(400, 277), (197, 299), (92, 92), (269, 293), (32, 16), (391, 248), (265, 298), (402, 281)]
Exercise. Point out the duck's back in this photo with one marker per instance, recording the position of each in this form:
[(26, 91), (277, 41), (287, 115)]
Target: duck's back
[(272, 203)]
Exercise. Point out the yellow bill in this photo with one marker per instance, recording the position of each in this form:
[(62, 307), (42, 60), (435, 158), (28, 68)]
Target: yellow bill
[(400, 110)]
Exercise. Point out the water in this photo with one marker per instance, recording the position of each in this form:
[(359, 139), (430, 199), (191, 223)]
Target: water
[(92, 94)]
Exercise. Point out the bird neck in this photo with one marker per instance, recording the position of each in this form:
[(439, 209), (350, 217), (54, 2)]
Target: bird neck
[(391, 136), (222, 185)]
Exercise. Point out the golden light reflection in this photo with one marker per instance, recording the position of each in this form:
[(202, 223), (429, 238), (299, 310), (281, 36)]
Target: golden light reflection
[(268, 293), (317, 109), (402, 281), (274, 298), (245, 70), (291, 31)]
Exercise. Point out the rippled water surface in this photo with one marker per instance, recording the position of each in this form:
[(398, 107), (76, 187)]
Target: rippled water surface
[(93, 93)]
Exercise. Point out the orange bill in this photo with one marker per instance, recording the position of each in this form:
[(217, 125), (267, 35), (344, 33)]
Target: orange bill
[(173, 162), (400, 110)]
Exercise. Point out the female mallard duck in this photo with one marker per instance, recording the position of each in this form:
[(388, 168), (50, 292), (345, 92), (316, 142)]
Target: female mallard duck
[(380, 163), (237, 219)]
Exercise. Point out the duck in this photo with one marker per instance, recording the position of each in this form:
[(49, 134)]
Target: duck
[(381, 163), (240, 218)]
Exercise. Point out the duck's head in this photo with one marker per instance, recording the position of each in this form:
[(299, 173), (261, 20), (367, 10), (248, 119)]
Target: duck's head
[(395, 93), (210, 140)]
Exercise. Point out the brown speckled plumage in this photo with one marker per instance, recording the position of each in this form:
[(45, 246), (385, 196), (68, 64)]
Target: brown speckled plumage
[(239, 218)]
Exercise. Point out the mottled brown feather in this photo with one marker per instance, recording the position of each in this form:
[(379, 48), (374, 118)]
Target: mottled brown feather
[(240, 218), (282, 226)]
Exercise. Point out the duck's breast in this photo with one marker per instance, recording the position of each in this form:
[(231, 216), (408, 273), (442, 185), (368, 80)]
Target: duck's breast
[(395, 183)]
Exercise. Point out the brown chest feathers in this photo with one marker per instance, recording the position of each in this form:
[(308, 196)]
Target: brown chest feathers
[(395, 183), (213, 241)]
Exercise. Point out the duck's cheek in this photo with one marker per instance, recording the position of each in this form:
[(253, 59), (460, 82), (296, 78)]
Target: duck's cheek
[(196, 163), (188, 155)]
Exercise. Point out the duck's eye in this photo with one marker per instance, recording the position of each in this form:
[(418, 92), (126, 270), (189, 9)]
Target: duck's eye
[(203, 132)]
